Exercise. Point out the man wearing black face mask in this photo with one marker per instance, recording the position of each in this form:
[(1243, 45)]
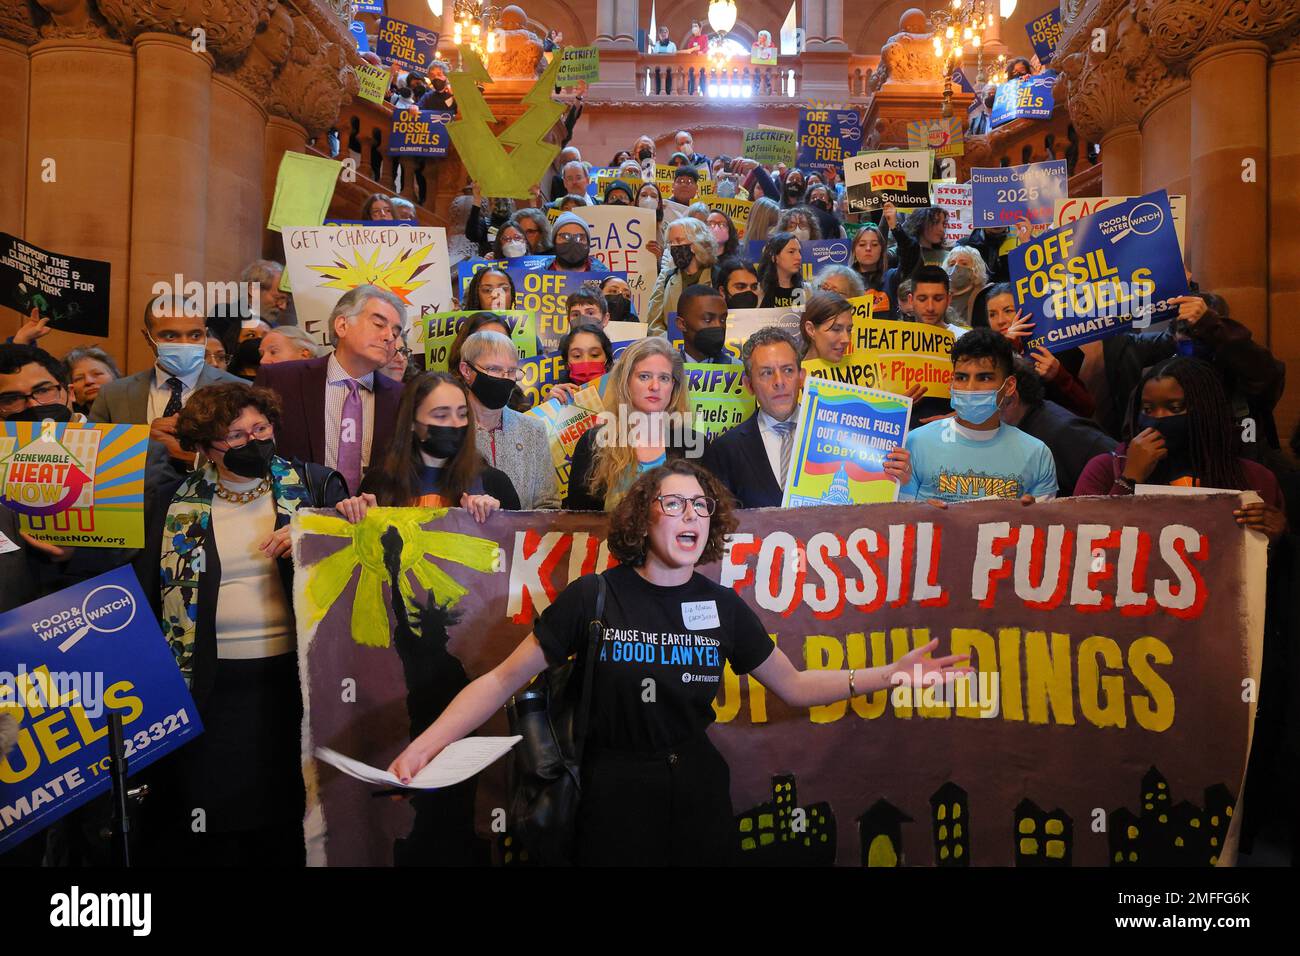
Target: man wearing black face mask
[(572, 237), (33, 386), (702, 317), (738, 284)]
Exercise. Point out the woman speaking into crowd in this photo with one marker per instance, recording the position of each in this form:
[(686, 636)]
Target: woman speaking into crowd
[(216, 567), (654, 790)]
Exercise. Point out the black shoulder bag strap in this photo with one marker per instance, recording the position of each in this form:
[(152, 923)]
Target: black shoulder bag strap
[(595, 633)]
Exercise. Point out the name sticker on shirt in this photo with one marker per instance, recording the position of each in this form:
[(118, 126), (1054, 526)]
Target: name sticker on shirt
[(6, 545), (700, 615)]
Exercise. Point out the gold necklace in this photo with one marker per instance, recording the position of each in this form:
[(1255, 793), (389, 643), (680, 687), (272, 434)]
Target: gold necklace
[(241, 497)]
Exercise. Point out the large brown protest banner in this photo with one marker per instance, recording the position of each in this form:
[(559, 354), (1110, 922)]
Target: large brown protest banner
[(1116, 640)]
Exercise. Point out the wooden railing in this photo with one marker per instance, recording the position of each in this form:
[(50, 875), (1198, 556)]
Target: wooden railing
[(362, 133)]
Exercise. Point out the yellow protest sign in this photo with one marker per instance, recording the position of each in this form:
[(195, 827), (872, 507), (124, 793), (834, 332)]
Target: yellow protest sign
[(304, 187), (893, 356), (737, 209)]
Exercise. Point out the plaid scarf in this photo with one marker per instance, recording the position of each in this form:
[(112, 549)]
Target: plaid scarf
[(186, 533)]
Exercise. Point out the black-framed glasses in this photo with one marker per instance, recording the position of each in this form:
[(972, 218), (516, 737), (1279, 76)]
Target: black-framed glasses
[(672, 505), (41, 395)]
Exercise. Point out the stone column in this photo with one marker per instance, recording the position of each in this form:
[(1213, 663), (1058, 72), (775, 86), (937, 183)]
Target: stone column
[(627, 16), (992, 43), (616, 26), (1121, 167), (1166, 129), (1229, 126), (169, 196), (282, 136), (14, 88), (606, 28), (82, 207), (824, 64), (234, 223), (1283, 237)]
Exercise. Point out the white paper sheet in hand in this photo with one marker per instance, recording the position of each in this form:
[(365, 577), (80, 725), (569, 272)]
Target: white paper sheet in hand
[(458, 762)]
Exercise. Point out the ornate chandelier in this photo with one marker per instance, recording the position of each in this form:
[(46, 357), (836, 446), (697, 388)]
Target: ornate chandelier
[(957, 28), (475, 24), (722, 17)]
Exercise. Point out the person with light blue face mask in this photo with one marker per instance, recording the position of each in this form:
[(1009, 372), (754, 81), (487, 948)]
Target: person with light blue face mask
[(974, 454), (177, 335)]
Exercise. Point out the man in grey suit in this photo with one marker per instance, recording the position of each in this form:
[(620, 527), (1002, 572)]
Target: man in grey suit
[(155, 396)]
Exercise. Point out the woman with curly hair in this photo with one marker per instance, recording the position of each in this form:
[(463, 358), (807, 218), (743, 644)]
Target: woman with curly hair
[(654, 791), (217, 570), (919, 238)]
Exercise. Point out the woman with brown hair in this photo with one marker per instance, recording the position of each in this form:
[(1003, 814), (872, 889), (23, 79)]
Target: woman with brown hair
[(433, 461), (654, 790), (826, 327), (216, 569)]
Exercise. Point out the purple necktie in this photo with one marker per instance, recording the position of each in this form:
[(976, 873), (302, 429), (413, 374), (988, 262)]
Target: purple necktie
[(350, 437)]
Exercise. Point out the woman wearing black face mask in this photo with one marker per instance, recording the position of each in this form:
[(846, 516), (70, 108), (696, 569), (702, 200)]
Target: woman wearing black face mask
[(820, 198), (433, 461), (217, 571), (515, 443), (1183, 435), (695, 255), (618, 296)]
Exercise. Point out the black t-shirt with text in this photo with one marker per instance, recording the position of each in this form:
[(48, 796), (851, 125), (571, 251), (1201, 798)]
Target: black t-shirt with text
[(680, 637)]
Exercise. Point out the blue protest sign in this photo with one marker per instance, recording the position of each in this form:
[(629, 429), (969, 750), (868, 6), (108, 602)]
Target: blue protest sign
[(359, 34), (376, 6), (331, 221), (546, 292), (410, 46), (815, 254), (825, 137), (1101, 274), (1044, 32), (960, 80), (419, 133), (1029, 97), (1007, 194), (465, 270), (65, 662)]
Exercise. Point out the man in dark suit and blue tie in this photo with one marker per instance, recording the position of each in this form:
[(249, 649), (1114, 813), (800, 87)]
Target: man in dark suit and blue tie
[(753, 458), (338, 411)]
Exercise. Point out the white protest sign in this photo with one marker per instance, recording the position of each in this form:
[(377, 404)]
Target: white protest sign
[(1068, 210), (956, 199), (619, 235), (323, 262)]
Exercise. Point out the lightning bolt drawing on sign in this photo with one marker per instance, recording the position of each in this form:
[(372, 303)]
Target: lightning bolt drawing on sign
[(500, 172)]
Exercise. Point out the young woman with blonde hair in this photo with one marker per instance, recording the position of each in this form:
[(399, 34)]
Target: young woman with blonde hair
[(634, 436)]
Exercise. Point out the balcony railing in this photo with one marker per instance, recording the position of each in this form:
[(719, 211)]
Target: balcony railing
[(689, 76)]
